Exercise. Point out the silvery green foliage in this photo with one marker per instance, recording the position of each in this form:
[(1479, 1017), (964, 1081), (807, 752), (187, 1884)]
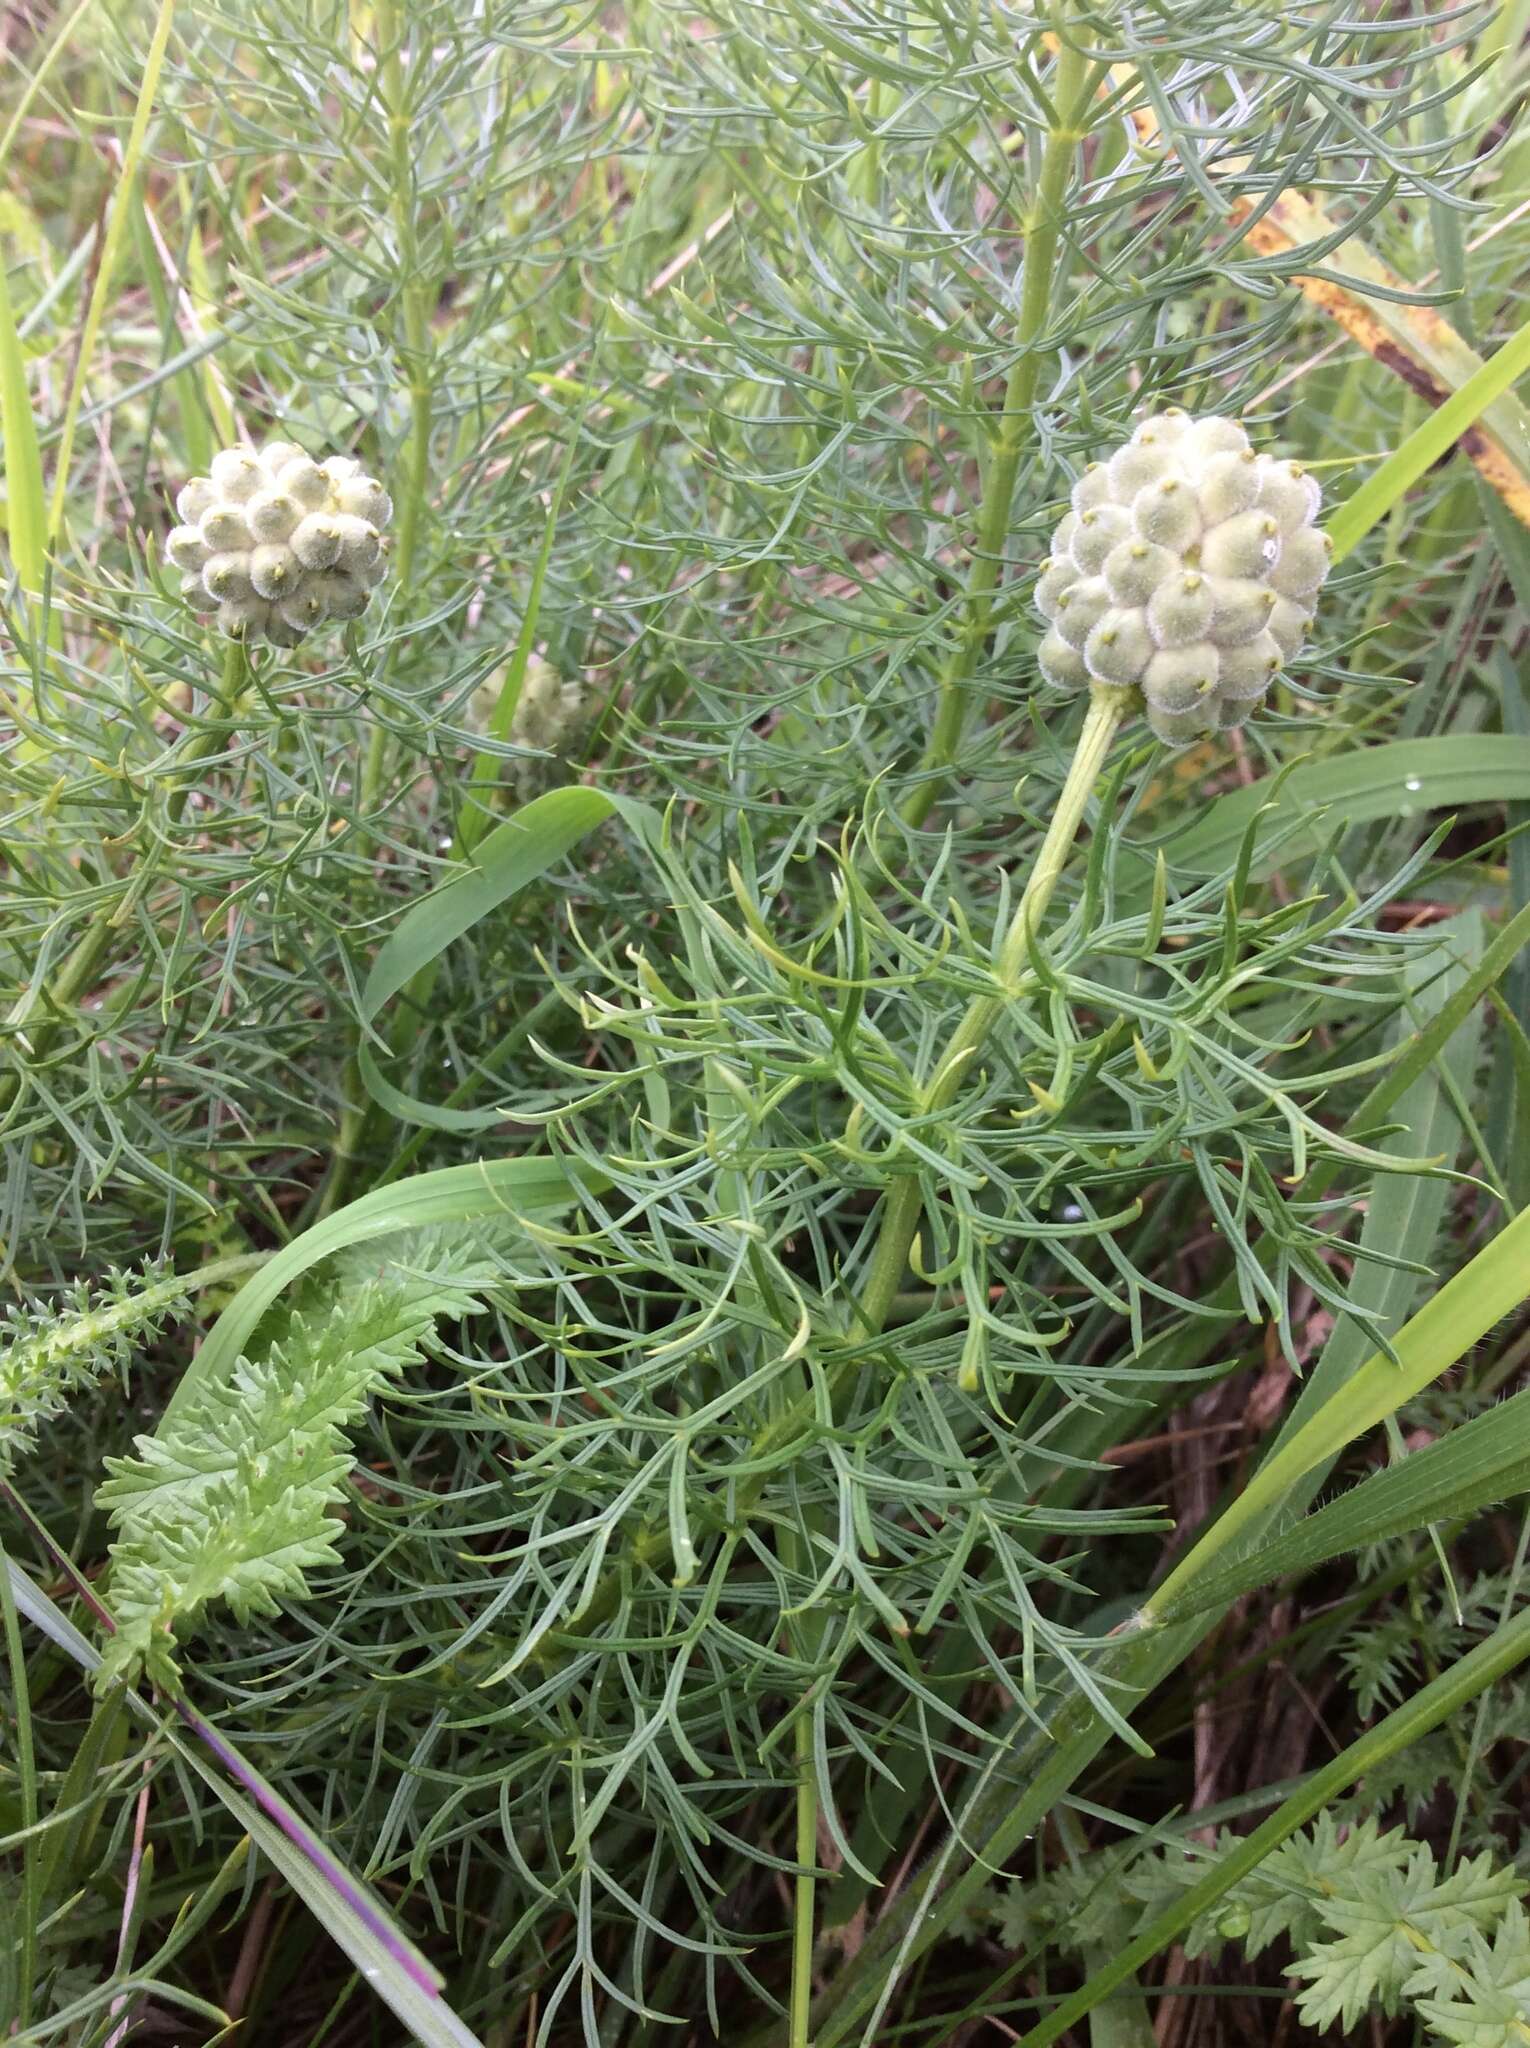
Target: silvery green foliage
[(48, 1353), (277, 543), (1186, 570)]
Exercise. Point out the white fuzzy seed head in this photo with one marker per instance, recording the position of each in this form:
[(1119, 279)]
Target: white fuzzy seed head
[(278, 543), (1186, 570)]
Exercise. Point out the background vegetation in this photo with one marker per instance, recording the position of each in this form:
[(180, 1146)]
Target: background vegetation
[(562, 1574)]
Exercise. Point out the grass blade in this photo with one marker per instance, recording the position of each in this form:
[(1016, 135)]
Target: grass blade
[(387, 1960), (1496, 1281), (1480, 1463), (454, 1194), (515, 853), (1427, 774), (1427, 443)]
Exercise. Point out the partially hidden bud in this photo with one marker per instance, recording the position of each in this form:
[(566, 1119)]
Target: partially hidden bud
[(1186, 570), (278, 544), (548, 714)]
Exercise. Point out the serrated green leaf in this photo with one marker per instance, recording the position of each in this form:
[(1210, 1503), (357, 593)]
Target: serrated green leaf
[(234, 1501), (1508, 1646)]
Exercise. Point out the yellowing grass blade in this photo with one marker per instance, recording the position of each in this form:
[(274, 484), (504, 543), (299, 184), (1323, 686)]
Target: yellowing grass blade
[(1415, 342), (1454, 421), (24, 507)]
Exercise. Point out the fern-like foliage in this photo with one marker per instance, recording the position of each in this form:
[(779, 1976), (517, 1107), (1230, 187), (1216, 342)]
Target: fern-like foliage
[(1373, 1925), (1385, 1927), (1490, 2006), (52, 1350), (234, 1500), (1392, 1650)]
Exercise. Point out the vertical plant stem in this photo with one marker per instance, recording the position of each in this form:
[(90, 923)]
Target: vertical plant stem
[(415, 351), (900, 1216), (415, 354), (106, 271), (803, 1915), (26, 1774), (900, 1222), (1073, 88), (232, 685)]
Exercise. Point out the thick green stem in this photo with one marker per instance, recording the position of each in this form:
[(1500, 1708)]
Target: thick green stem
[(900, 1222), (901, 1212), (803, 1916), (415, 351), (1073, 90), (232, 686)]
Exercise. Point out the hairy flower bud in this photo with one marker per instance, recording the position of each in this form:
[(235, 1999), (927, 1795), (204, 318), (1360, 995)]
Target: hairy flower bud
[(227, 576), (548, 713), (187, 549), (277, 543), (1186, 570)]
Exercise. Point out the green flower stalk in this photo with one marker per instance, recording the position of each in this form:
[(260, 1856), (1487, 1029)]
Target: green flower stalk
[(276, 544), (1185, 573), (1181, 581)]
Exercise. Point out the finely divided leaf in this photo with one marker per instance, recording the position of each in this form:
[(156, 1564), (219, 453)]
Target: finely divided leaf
[(52, 1351), (234, 1500)]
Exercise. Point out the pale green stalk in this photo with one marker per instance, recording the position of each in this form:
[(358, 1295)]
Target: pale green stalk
[(1075, 86), (900, 1216), (415, 353), (804, 1916), (901, 1212), (106, 271), (391, 21)]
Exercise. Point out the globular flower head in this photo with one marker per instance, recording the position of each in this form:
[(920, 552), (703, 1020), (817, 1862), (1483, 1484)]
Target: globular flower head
[(1186, 570), (278, 544)]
